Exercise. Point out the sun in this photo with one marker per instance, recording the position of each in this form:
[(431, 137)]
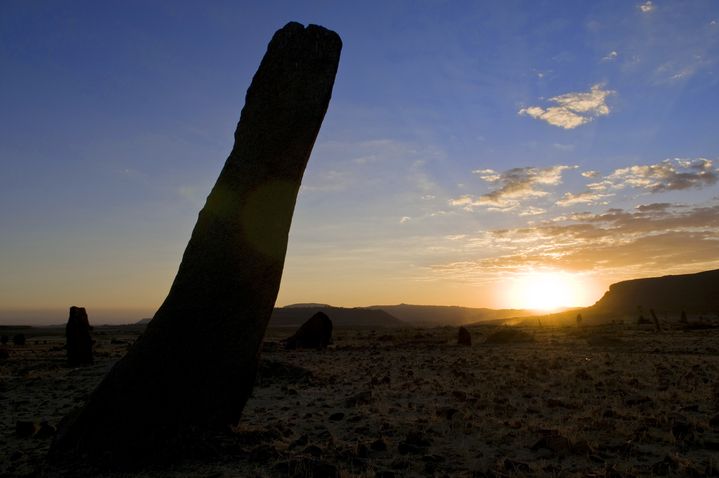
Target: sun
[(546, 291)]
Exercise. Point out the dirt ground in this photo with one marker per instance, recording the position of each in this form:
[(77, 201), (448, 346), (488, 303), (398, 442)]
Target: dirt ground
[(600, 401)]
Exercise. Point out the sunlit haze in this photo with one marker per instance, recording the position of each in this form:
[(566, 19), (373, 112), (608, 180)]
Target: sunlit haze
[(484, 154)]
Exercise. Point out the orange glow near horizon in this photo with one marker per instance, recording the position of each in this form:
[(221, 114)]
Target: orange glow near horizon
[(547, 291)]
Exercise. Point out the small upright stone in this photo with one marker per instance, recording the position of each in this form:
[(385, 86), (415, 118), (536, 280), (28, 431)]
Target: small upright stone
[(78, 339), (464, 337), (316, 333)]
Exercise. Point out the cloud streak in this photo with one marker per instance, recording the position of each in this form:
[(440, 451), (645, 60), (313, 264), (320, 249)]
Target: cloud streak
[(651, 239), (668, 175), (647, 7), (572, 110), (514, 186)]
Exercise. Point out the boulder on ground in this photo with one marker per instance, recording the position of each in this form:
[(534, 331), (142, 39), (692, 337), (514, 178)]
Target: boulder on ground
[(464, 337), (509, 335), (316, 333)]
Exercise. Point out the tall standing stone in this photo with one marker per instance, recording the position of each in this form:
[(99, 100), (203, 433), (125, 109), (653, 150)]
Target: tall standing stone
[(464, 337), (78, 341), (220, 302)]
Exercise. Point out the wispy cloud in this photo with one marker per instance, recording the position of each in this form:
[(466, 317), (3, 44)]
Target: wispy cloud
[(515, 185), (586, 197), (652, 238), (611, 56), (572, 109), (647, 7), (668, 175)]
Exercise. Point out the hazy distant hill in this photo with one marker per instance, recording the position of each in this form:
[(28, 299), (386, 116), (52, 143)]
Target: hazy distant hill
[(694, 293), (295, 315), (307, 305), (449, 315)]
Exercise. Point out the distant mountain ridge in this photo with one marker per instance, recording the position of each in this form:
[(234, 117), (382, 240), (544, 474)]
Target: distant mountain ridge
[(296, 314), (693, 293), (392, 315), (448, 314)]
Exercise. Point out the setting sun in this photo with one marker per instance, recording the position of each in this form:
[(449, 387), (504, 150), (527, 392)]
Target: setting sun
[(546, 291)]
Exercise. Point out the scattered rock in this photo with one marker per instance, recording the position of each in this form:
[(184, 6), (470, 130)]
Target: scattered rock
[(558, 403), (459, 395), (362, 398), (308, 467), (634, 400), (316, 333), (45, 431), (19, 339), (301, 441), (446, 412), (263, 453), (555, 443), (272, 371), (714, 422), (514, 466), (378, 445), (385, 474), (4, 354), (604, 341), (415, 443), (313, 450), (464, 337), (509, 335), (669, 464), (25, 429), (682, 430), (582, 447), (582, 374), (337, 416)]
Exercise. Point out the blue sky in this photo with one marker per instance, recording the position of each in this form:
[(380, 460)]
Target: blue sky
[(468, 146)]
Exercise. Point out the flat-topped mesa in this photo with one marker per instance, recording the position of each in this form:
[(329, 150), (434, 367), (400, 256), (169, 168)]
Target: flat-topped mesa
[(193, 369)]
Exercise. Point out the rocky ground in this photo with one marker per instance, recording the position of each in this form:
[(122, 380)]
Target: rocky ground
[(612, 400)]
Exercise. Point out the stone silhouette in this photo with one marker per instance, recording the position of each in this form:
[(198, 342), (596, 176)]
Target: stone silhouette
[(655, 320), (159, 400), (18, 339), (464, 337), (78, 341), (316, 333), (579, 319)]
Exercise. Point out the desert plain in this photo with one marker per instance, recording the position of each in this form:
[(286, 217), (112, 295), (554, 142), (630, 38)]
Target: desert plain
[(612, 400)]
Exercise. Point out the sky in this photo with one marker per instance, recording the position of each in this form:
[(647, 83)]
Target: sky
[(474, 153)]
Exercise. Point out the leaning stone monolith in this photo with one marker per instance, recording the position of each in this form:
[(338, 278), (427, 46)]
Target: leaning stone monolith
[(158, 397), (78, 341)]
